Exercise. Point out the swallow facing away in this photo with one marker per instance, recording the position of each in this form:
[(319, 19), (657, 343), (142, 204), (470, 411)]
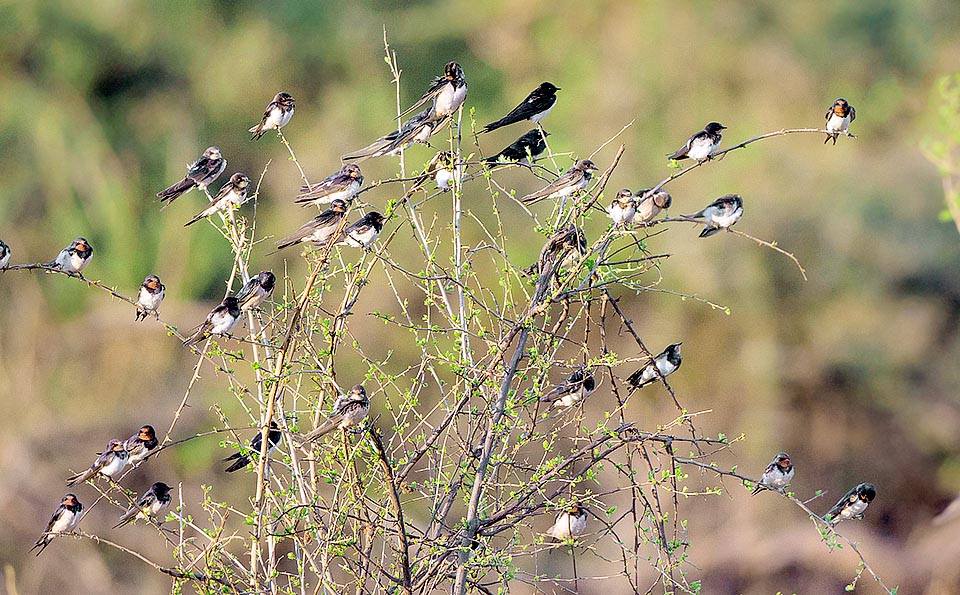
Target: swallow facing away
[(623, 208), (348, 411), (574, 180), (448, 92), (720, 214), (4, 255), (319, 229), (570, 522), (418, 129), (257, 290), (702, 145), (74, 258), (441, 166), (232, 194), (256, 443), (534, 108), (777, 475), (276, 116), (853, 503), (839, 117), (565, 248), (148, 506), (65, 518), (200, 174), (524, 150), (650, 205), (666, 362), (220, 321), (150, 296), (343, 184), (571, 391), (110, 462), (362, 233), (141, 444)]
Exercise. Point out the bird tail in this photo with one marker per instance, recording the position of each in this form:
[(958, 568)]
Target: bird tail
[(196, 218), (636, 379), (141, 315), (493, 126), (42, 543), (708, 231), (126, 518), (79, 478), (319, 433), (833, 137), (194, 338), (241, 462), (173, 192), (374, 149), (757, 489), (257, 131)]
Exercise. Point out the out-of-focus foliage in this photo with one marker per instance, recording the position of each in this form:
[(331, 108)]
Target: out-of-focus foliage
[(943, 147)]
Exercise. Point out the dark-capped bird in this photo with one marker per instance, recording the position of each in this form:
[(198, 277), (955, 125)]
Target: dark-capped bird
[(571, 522), (348, 411), (574, 180), (200, 174), (220, 321), (534, 108), (523, 150), (777, 475), (702, 145), (362, 233), (839, 117), (4, 255), (571, 391), (343, 184), (257, 290), (232, 194), (448, 92), (720, 214), (148, 506), (853, 504), (110, 463), (276, 116), (150, 296), (256, 443), (74, 258), (141, 444), (667, 362), (64, 519), (563, 250), (319, 229)]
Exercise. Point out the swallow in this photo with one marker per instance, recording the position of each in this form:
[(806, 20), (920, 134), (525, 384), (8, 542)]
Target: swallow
[(702, 144), (74, 258), (720, 214), (534, 108), (623, 208), (448, 92), (200, 174), (148, 506), (574, 180), (256, 443), (232, 194), (150, 296), (838, 118), (4, 255), (110, 462), (362, 233), (220, 321), (141, 444), (319, 229), (441, 166), (276, 116), (777, 475), (571, 391), (418, 129), (257, 290), (666, 362), (348, 411), (570, 522), (343, 184), (524, 150), (853, 503), (566, 248), (64, 519), (650, 205)]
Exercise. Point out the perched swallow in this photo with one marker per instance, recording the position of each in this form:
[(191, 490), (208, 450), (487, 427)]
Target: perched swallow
[(256, 443), (65, 518), (141, 444), (110, 462), (200, 174), (666, 362), (418, 129), (220, 321), (232, 194), (74, 258), (623, 208), (448, 92), (343, 184), (571, 391), (777, 475), (4, 255), (149, 506), (720, 214), (570, 522), (534, 108), (150, 296), (363, 232), (566, 248), (348, 411), (839, 117), (319, 229), (276, 116), (441, 166), (523, 150), (649, 206), (853, 503), (257, 290), (701, 145), (574, 180)]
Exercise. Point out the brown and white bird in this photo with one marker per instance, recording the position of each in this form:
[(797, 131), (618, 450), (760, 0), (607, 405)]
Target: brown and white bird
[(148, 506), (200, 174), (343, 184), (839, 117), (276, 116), (571, 522), (777, 475), (418, 129), (649, 204), (220, 321), (563, 250), (231, 195), (149, 298), (65, 518), (574, 180), (623, 208), (448, 92), (109, 464), (141, 444), (256, 291), (74, 258), (320, 229), (348, 411)]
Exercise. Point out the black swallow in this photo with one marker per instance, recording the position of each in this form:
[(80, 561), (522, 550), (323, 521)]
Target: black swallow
[(141, 444), (319, 229), (418, 129), (853, 503), (242, 460), (220, 321), (4, 255), (363, 232), (65, 518), (571, 521), (200, 174), (343, 184), (565, 248), (525, 149), (720, 214), (348, 411), (150, 296), (257, 290), (667, 362), (777, 475), (571, 391), (110, 462), (149, 506), (649, 205), (574, 180), (74, 258), (702, 144), (838, 118), (276, 116), (448, 92), (623, 208), (232, 194), (534, 108)]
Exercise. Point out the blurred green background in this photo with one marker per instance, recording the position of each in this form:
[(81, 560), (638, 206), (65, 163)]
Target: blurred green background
[(853, 372)]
